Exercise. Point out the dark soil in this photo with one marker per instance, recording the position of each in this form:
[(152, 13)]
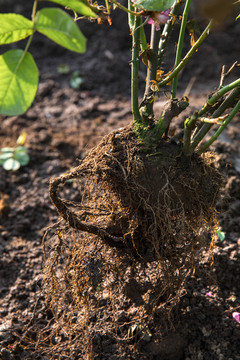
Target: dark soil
[(62, 126)]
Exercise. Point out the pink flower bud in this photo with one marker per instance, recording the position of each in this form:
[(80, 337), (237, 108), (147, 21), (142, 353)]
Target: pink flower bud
[(159, 18), (236, 316)]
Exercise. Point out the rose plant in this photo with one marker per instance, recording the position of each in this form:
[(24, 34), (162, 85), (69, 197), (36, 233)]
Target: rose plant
[(147, 197)]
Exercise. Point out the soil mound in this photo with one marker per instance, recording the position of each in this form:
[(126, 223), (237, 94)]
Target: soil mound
[(154, 203), (147, 217)]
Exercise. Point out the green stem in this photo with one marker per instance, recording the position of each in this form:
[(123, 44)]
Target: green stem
[(125, 9), (206, 127), (180, 45), (153, 60), (188, 56), (34, 10), (135, 69), (166, 33), (234, 111), (217, 95), (143, 41), (130, 16), (107, 6)]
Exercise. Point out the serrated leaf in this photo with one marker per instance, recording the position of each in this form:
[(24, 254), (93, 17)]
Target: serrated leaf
[(18, 82), (14, 27), (11, 164), (154, 5), (57, 25), (78, 6)]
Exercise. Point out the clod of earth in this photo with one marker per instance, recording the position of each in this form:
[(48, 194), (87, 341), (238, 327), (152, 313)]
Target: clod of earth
[(153, 205), (139, 213)]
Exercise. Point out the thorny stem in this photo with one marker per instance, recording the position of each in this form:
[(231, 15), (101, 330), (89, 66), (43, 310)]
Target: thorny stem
[(218, 94), (185, 60), (206, 127), (171, 109), (143, 41), (152, 64), (166, 33), (190, 124), (107, 6), (135, 67), (134, 13), (234, 111), (180, 45)]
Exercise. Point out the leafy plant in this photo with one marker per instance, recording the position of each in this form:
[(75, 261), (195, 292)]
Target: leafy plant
[(76, 80), (19, 73), (18, 70), (12, 158)]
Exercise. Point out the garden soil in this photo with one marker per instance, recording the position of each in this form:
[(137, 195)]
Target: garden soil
[(62, 126)]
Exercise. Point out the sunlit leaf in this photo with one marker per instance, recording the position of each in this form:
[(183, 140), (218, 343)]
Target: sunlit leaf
[(78, 6), (60, 27), (5, 155), (6, 149), (154, 5), (14, 27), (18, 82), (11, 164), (194, 31), (220, 235)]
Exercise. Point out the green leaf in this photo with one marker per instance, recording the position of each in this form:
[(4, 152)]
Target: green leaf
[(14, 27), (7, 150), (78, 6), (154, 5), (76, 80), (5, 156), (20, 149), (63, 69), (22, 157), (18, 82), (60, 27), (220, 234), (11, 164)]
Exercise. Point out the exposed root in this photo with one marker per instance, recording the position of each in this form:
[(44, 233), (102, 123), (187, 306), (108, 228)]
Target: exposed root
[(155, 203), (125, 249)]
